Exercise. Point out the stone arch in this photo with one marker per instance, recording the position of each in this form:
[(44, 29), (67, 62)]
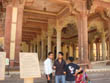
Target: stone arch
[(98, 24), (67, 20)]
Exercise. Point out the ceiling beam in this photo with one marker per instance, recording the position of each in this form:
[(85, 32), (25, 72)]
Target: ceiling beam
[(24, 40), (28, 35), (38, 16), (25, 27), (62, 11), (28, 40), (26, 32), (32, 31), (40, 12), (35, 24), (35, 20), (61, 1)]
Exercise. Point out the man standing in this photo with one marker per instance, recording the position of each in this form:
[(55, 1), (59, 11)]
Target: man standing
[(70, 70), (59, 66), (48, 67)]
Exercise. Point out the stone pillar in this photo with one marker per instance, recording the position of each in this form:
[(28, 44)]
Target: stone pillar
[(83, 37), (77, 52), (97, 51), (65, 50), (104, 52), (58, 40), (49, 43), (31, 47), (38, 48), (45, 53), (42, 49), (91, 52), (13, 32), (43, 45), (70, 50), (109, 37), (108, 55), (74, 51), (34, 45)]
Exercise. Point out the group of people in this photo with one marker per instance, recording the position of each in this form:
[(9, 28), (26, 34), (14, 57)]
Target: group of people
[(64, 73)]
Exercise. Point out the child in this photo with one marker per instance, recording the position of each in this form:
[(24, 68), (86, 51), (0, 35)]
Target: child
[(79, 77), (82, 77), (70, 70)]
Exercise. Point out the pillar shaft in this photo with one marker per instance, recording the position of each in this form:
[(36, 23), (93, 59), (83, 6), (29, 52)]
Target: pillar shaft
[(64, 50), (42, 48), (58, 40), (13, 31), (83, 37), (108, 55), (109, 37), (91, 52), (103, 47), (49, 43), (38, 48), (97, 51), (74, 51), (29, 45), (70, 50)]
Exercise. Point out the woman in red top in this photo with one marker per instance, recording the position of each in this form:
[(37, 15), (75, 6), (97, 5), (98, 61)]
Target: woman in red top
[(80, 77)]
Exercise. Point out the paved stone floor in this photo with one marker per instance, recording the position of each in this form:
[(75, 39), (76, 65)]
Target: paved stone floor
[(101, 77)]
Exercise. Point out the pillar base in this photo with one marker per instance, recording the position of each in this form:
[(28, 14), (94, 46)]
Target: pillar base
[(11, 63), (86, 66)]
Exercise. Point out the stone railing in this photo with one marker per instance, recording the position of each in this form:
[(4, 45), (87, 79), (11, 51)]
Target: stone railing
[(100, 62)]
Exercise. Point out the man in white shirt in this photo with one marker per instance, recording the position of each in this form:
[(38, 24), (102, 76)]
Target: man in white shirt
[(48, 67)]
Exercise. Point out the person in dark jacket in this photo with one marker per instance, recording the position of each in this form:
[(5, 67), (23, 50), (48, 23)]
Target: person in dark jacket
[(59, 66)]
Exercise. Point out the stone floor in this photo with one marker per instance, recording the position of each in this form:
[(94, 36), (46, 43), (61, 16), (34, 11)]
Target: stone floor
[(101, 77), (96, 77)]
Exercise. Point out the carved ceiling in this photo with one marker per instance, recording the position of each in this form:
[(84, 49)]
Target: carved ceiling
[(69, 31), (38, 12), (45, 5)]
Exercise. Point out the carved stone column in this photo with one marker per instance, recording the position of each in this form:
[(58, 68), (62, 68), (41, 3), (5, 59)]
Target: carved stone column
[(97, 51), (43, 45), (70, 50), (104, 50), (83, 37), (49, 43), (109, 37), (13, 32), (74, 51), (91, 52), (58, 40)]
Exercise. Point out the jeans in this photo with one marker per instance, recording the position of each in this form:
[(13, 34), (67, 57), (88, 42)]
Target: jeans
[(60, 79), (70, 81), (49, 81)]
